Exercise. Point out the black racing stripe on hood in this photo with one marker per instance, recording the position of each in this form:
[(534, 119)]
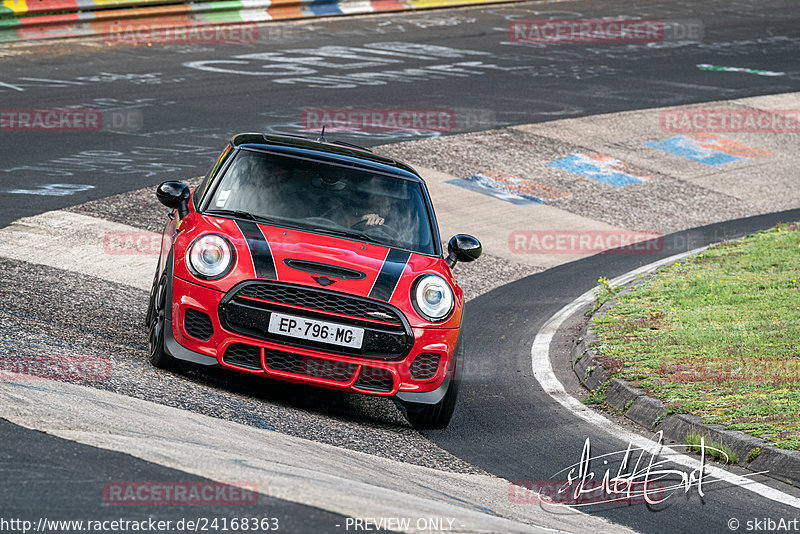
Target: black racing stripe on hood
[(263, 262), (391, 271)]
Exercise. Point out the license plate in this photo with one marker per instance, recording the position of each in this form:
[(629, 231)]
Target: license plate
[(322, 331)]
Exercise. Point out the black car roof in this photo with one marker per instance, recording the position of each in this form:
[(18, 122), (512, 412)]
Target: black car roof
[(324, 150)]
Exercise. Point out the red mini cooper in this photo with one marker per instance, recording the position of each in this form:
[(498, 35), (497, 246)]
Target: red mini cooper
[(312, 262)]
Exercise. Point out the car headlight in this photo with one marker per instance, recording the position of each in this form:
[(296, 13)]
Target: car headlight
[(211, 256), (432, 298)]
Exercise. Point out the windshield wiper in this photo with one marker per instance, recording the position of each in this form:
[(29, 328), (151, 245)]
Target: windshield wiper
[(232, 213), (239, 214), (348, 233)]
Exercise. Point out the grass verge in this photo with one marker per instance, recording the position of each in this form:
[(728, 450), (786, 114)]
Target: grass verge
[(605, 292), (718, 336), (714, 449)]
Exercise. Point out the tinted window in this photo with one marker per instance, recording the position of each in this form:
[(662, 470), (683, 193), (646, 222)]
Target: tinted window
[(326, 198), (200, 191)]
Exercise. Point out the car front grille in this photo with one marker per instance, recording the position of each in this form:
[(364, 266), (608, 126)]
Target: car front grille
[(249, 357), (308, 366), (247, 308), (326, 301)]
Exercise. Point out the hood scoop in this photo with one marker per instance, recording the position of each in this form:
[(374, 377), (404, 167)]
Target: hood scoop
[(324, 269)]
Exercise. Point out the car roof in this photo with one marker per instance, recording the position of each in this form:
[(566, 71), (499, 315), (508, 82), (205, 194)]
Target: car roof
[(333, 152)]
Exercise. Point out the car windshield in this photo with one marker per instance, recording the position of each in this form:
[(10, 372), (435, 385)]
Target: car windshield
[(325, 198)]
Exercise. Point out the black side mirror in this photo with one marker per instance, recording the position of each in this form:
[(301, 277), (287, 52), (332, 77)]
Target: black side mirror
[(463, 247), (175, 195)]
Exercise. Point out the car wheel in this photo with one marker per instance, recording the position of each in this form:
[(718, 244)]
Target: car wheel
[(155, 346), (432, 416)]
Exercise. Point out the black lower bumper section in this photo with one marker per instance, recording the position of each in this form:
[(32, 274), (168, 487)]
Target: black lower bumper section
[(179, 352), (425, 397), (435, 397)]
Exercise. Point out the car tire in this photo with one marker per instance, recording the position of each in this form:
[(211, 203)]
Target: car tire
[(435, 416), (157, 354)]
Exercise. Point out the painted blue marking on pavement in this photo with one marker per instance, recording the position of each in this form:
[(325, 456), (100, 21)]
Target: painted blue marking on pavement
[(483, 185), (689, 148), (595, 169)]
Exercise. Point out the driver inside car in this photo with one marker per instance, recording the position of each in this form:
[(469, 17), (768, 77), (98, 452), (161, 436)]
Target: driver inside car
[(351, 208), (380, 208)]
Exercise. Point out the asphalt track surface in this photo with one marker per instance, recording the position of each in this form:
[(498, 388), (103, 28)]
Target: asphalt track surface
[(503, 424), (73, 479), (186, 114)]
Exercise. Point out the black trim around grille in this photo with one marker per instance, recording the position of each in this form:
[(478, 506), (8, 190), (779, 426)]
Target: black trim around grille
[(246, 310), (198, 324)]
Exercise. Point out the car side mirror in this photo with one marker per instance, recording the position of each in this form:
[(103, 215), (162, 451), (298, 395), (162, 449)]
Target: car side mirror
[(463, 247), (175, 195)]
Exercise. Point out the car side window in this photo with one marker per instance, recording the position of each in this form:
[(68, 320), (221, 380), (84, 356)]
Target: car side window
[(201, 190), (250, 185)]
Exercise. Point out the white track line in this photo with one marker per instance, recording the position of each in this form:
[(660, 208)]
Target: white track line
[(543, 372)]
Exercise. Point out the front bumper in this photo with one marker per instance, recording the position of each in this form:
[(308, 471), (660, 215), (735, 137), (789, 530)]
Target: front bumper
[(422, 373)]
